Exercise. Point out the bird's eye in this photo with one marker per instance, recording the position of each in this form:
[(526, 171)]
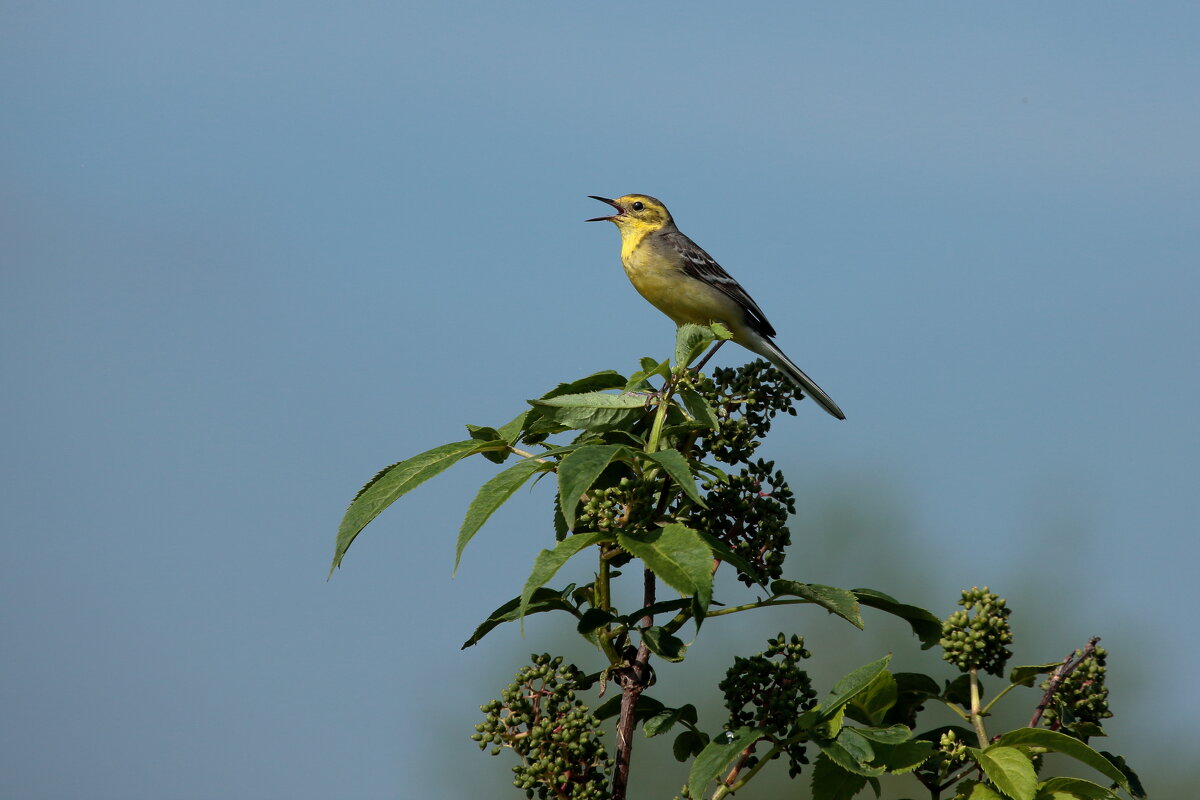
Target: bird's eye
[(638, 206)]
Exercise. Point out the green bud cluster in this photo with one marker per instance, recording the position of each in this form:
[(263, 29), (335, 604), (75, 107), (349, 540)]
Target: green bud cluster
[(769, 691), (1082, 695), (628, 504), (978, 635), (749, 513), (746, 399), (555, 735), (949, 756)]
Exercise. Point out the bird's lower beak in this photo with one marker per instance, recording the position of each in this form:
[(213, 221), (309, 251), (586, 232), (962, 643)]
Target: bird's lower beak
[(612, 203)]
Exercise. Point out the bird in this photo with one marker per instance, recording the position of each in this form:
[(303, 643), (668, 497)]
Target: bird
[(688, 285)]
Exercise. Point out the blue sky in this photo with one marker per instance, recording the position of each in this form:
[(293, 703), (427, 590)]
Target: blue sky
[(252, 252)]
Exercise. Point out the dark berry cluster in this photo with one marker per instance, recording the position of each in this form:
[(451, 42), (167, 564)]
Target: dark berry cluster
[(1082, 696), (769, 691), (556, 735), (977, 637), (749, 513), (746, 399)]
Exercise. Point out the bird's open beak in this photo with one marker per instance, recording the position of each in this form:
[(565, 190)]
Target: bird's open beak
[(612, 203)]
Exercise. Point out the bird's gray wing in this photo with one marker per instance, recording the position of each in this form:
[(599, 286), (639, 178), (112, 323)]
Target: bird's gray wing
[(703, 267)]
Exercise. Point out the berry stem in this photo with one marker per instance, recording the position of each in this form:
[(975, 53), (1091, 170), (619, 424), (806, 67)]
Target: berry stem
[(977, 710)]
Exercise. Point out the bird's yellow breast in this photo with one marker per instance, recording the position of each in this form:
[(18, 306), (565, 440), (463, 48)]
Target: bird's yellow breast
[(656, 270)]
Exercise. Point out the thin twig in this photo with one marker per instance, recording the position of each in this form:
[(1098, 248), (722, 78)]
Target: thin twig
[(1068, 665), (633, 678)]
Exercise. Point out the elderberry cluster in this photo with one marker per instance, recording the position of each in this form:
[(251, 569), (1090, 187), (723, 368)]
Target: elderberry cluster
[(769, 691), (746, 399), (749, 513), (628, 504), (977, 636), (1082, 696), (556, 735)]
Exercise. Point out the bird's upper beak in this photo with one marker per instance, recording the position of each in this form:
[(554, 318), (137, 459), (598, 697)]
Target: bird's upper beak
[(612, 203)]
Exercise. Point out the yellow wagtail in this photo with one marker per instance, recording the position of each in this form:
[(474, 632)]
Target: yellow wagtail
[(688, 285)]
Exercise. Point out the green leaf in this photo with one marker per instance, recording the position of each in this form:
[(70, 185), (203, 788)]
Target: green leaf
[(596, 382), (698, 407), (592, 411), (541, 600), (592, 619), (511, 430), (871, 705), (723, 552), (690, 341), (831, 782), (548, 562), (1074, 789), (896, 734), (664, 644), (678, 555), (1067, 745), (717, 756), (904, 757), (490, 497), (720, 331), (978, 791), (856, 745), (390, 484), (578, 471), (687, 744), (663, 721), (924, 624), (1025, 676), (834, 600), (848, 760), (640, 380), (1135, 784), (1009, 768), (677, 467), (845, 689)]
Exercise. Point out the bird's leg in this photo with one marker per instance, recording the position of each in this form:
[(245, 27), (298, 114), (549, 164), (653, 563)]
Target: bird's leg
[(708, 355)]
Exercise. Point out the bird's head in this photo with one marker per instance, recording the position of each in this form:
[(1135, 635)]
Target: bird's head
[(636, 212)]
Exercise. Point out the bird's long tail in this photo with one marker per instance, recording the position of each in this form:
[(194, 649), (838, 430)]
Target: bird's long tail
[(770, 351)]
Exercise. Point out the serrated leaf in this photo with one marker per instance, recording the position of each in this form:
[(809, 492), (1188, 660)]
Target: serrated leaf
[(924, 624), (596, 382), (1135, 783), (834, 600), (698, 407), (592, 411), (1025, 676), (511, 430), (578, 471), (978, 791), (845, 689), (1074, 789), (687, 744), (831, 782), (896, 734), (845, 758), (1009, 768), (690, 341), (663, 721), (856, 745), (1068, 746), (871, 705), (592, 619), (717, 755), (904, 757), (677, 467), (548, 562), (664, 644), (677, 555), (724, 553), (490, 497), (391, 483), (542, 600)]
